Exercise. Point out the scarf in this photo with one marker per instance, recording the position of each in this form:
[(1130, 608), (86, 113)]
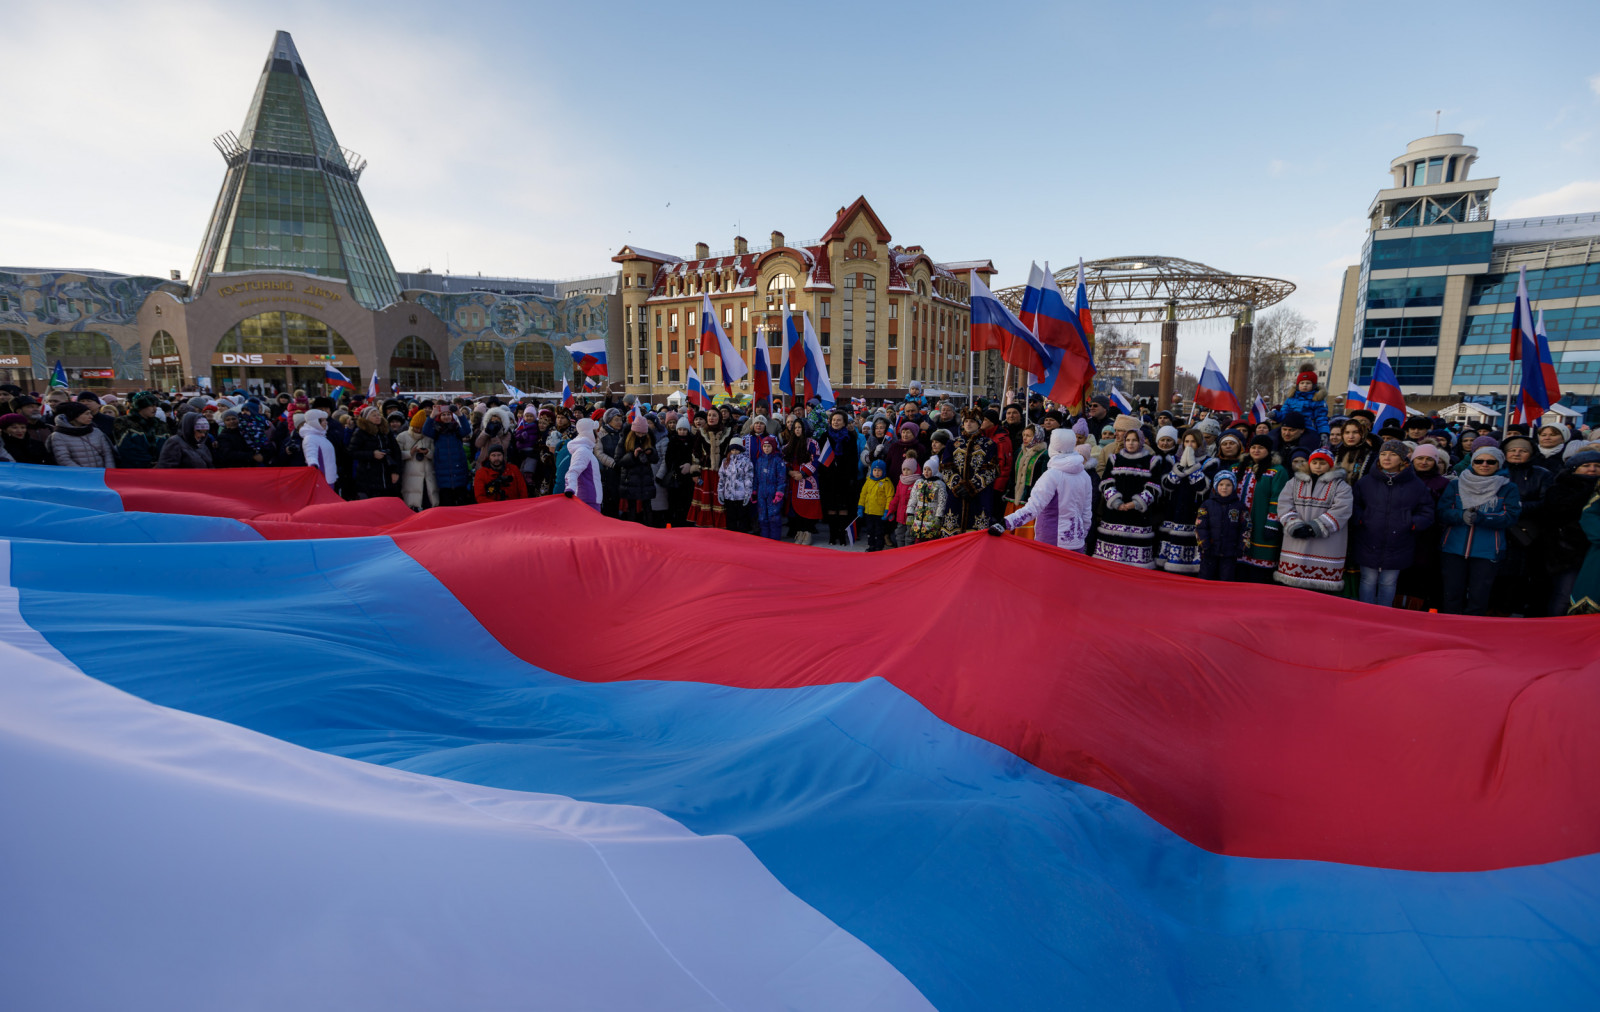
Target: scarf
[(1478, 490), (836, 438)]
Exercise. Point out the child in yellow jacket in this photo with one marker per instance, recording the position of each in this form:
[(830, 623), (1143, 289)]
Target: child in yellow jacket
[(875, 504)]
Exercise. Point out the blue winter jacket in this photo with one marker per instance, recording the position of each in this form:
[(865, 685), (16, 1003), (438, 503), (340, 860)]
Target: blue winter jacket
[(449, 455), (1316, 411), (1390, 510), (1485, 539)]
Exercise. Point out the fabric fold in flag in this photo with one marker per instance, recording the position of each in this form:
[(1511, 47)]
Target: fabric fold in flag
[(714, 341), (589, 357), (996, 327), (336, 379), (696, 393), (1384, 398)]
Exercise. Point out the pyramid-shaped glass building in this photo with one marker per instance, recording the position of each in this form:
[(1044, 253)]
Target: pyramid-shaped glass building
[(291, 199)]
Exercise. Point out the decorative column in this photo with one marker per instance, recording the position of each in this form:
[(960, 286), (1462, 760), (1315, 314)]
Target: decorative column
[(1169, 357), (1239, 367)]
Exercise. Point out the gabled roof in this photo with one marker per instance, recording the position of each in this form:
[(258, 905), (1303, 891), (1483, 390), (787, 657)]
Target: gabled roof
[(848, 214), (640, 253)]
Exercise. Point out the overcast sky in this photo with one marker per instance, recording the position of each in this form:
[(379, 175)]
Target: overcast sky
[(535, 139)]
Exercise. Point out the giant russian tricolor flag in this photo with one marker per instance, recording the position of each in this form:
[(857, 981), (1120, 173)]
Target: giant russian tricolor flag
[(267, 748), (1384, 398), (589, 356), (1213, 392)]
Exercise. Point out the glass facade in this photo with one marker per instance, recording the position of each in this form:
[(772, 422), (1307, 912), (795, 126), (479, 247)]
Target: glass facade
[(165, 370), (1412, 332), (1432, 250), (290, 200), (1404, 293), (1550, 283), (284, 334), (1581, 324), (1410, 370), (414, 365), (535, 365)]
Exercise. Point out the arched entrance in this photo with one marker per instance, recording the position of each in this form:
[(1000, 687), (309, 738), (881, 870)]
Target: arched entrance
[(16, 363), (166, 365), (86, 357), (483, 366), (414, 365), (535, 365), (281, 351)]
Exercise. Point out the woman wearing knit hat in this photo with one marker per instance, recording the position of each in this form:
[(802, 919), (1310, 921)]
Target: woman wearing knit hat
[(1260, 483), (1314, 509), (76, 441), (1392, 508), (1129, 493), (1520, 586), (418, 486), (1477, 508), (636, 479), (1553, 438)]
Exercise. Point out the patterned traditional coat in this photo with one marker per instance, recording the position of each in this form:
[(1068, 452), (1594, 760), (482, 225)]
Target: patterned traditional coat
[(1326, 503), (974, 462), (1260, 492), (926, 508), (1128, 536)]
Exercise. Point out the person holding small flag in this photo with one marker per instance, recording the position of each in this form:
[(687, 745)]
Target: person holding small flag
[(838, 465), (805, 497)]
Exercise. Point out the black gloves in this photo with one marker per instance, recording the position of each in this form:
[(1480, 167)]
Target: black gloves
[(1304, 532), (997, 529), (567, 493)]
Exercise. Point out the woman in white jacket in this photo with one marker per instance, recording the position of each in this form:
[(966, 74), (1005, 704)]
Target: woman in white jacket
[(1062, 501), (583, 470), (316, 445)]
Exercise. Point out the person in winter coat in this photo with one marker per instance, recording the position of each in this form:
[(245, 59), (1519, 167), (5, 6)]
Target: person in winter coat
[(1477, 508), (311, 437), (1129, 492), (608, 451), (1520, 584), (875, 443), (1553, 438), (1222, 529), (636, 478), (191, 447), (873, 506), (1260, 483), (900, 535), (449, 456), (21, 449), (1309, 402), (528, 451), (911, 444), (805, 496), (1032, 456), (1184, 487), (969, 480), (836, 475), (496, 480), (77, 441), (926, 508), (138, 435), (1392, 507), (1061, 503), (583, 480), (678, 473), (1585, 599), (1562, 542), (735, 486), (233, 450), (374, 457), (771, 486), (709, 448), (1314, 509), (417, 483)]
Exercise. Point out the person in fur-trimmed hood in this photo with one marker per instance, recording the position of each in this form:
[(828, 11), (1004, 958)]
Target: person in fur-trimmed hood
[(1314, 509), (1061, 504), (1309, 402), (582, 480)]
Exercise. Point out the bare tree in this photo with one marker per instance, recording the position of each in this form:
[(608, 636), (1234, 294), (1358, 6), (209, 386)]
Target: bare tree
[(1116, 354), (1281, 334)]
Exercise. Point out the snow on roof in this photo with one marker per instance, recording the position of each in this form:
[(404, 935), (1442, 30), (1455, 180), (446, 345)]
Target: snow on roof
[(650, 254)]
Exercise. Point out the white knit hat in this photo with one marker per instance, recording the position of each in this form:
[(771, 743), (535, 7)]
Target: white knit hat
[(1062, 441)]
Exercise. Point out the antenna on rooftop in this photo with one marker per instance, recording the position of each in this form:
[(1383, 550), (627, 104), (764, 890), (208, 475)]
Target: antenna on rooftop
[(1436, 114)]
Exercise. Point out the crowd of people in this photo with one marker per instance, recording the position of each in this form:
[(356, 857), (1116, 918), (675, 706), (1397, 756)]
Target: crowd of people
[(1456, 518)]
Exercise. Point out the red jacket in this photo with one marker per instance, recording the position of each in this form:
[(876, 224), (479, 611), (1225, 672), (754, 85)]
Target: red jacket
[(1002, 444), (902, 498), (510, 486)]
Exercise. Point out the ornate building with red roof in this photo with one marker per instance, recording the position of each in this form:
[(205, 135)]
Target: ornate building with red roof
[(886, 314)]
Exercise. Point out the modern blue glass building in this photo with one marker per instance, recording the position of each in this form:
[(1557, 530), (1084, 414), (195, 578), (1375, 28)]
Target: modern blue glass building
[(1437, 278)]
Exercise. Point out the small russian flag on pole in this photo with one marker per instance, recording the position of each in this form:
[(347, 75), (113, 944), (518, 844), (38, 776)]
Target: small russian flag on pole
[(1213, 392), (826, 456), (567, 399), (1258, 411), (1384, 398), (336, 379), (697, 393), (1124, 402)]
